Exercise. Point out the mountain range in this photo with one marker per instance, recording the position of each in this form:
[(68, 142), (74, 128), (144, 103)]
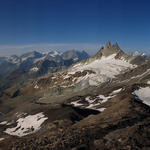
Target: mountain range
[(72, 101), (32, 61), (34, 64)]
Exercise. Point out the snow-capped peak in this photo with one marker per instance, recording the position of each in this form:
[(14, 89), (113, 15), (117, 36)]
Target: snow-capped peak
[(136, 53), (104, 69), (54, 53)]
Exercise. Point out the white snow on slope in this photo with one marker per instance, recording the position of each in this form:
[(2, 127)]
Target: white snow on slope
[(104, 99), (1, 139), (76, 103), (116, 91), (27, 125), (34, 69), (55, 53), (36, 86), (148, 82), (93, 102), (143, 94), (3, 123), (105, 68), (101, 109)]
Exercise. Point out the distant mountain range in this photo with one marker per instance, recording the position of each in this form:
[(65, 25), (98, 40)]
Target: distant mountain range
[(142, 54), (36, 63)]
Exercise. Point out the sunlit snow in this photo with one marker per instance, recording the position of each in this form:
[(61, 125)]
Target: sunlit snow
[(105, 69), (101, 109), (3, 123), (116, 91), (94, 102), (1, 139), (143, 94), (27, 125), (76, 103), (148, 82), (34, 69)]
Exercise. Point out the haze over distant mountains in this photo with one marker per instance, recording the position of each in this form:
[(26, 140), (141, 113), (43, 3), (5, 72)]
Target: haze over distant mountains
[(40, 62)]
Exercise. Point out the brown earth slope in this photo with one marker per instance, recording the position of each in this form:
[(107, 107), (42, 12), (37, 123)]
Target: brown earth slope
[(125, 125)]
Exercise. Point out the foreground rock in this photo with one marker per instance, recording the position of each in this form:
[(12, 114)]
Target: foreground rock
[(123, 125)]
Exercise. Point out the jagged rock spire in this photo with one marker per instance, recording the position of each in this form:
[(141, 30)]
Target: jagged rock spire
[(116, 46), (108, 44)]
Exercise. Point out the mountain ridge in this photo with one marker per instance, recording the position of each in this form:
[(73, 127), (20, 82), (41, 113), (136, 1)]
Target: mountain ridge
[(35, 59), (99, 103)]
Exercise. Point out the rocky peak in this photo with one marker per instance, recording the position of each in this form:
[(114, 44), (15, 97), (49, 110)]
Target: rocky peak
[(108, 45), (109, 50), (116, 46)]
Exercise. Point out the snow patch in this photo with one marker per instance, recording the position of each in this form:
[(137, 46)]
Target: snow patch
[(36, 86), (91, 106), (148, 82), (34, 69), (27, 125), (101, 109), (104, 99), (76, 103), (55, 53), (143, 94), (93, 102), (1, 139), (9, 123), (116, 91), (3, 123)]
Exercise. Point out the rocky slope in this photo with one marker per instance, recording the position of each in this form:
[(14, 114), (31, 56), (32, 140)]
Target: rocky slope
[(68, 112), (123, 124), (86, 75)]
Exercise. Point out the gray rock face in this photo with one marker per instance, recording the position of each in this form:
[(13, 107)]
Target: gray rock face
[(109, 50), (108, 45), (116, 46)]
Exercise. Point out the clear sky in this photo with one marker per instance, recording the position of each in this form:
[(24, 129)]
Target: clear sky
[(66, 24)]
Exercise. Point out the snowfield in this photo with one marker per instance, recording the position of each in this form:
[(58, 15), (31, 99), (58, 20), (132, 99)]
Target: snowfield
[(116, 91), (93, 102), (1, 139), (34, 69), (27, 125), (148, 82), (3, 123), (55, 53), (105, 68), (143, 94), (76, 103)]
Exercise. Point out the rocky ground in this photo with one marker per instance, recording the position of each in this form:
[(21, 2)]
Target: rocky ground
[(74, 115), (124, 124)]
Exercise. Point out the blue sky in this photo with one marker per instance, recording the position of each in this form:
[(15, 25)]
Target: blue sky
[(27, 25)]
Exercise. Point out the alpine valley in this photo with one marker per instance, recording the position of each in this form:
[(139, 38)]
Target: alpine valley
[(71, 101)]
